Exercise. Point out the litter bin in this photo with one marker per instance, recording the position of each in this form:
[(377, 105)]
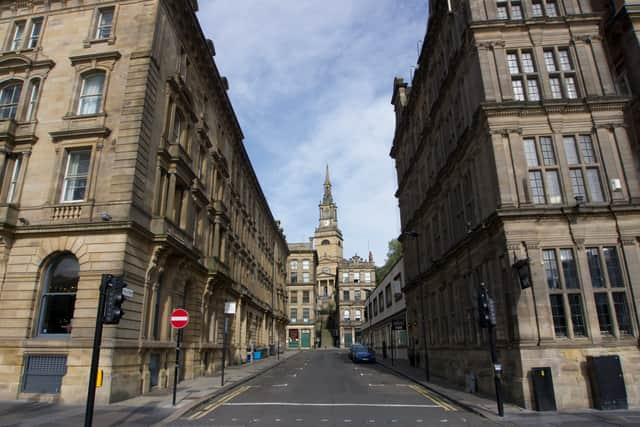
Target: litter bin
[(257, 355)]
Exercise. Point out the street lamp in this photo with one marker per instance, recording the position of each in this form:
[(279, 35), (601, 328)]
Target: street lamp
[(415, 235), (229, 310)]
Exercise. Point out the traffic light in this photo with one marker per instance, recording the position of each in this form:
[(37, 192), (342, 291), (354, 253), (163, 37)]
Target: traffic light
[(486, 308), (114, 299)]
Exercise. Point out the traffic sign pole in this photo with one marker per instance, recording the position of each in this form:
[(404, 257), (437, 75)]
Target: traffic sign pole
[(179, 320)]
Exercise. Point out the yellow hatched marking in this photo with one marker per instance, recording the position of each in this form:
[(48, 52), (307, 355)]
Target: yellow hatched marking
[(215, 405), (434, 398)]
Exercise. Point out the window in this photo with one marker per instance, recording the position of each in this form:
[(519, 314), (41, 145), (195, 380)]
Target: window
[(17, 39), (387, 295), (367, 277), (9, 99), (33, 100), (562, 77), (294, 315), (610, 295), (375, 306), (305, 264), (509, 9), (294, 265), (305, 315), (551, 8), (34, 34), (564, 293), (13, 165), (305, 297), (523, 75), (357, 295), (294, 297), (346, 315), (544, 177), (583, 160), (380, 302), (104, 23), (345, 277), (76, 174), (358, 315), (59, 296), (91, 93), (345, 295), (305, 277), (356, 277), (294, 277), (536, 9)]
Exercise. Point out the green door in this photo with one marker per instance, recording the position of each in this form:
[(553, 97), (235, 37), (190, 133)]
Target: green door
[(347, 340), (306, 339)]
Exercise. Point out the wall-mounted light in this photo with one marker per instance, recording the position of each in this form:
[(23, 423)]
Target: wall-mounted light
[(523, 270)]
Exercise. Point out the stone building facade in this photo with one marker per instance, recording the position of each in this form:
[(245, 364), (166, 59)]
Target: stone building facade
[(357, 278), (301, 284), (514, 155), (385, 326), (121, 154)]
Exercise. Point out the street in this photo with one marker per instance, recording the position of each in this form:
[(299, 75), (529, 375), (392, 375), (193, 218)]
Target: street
[(326, 388)]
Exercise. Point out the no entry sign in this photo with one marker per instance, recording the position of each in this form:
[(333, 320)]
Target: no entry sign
[(179, 318)]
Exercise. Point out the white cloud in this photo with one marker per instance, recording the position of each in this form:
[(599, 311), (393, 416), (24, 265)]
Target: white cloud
[(311, 83)]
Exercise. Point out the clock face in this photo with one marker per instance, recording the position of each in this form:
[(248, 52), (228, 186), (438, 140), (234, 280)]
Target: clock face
[(325, 222)]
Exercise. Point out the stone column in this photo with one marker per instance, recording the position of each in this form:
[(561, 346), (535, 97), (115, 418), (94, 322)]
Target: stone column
[(171, 197)]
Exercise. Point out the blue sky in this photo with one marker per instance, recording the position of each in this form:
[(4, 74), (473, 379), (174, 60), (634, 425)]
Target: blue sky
[(311, 84)]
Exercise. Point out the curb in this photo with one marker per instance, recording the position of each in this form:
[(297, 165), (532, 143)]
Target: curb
[(181, 411), (463, 405)]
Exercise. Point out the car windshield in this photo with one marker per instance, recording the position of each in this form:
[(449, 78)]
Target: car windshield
[(360, 348)]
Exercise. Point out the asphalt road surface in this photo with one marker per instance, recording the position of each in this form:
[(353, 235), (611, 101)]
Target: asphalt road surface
[(324, 388)]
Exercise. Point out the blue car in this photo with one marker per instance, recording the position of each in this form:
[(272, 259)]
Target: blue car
[(361, 353)]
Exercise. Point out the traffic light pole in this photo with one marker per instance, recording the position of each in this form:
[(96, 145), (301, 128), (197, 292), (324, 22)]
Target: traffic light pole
[(95, 358), (497, 369)]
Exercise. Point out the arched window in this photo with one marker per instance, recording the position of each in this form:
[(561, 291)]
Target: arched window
[(346, 315), (91, 93), (9, 98), (358, 315), (33, 100), (325, 242), (59, 295)]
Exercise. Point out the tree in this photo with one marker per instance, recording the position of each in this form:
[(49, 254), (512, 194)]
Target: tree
[(394, 253)]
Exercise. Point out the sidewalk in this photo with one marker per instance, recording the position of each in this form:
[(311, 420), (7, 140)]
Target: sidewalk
[(150, 409), (514, 415)]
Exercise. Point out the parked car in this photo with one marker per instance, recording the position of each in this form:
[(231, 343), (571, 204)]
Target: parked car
[(361, 353)]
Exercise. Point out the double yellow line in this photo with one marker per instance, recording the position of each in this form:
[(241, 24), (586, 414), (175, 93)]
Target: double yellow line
[(218, 403), (433, 397)]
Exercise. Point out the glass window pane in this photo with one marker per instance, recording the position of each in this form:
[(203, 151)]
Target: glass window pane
[(518, 90), (559, 317), (604, 317), (59, 296), (501, 11), (570, 150), (537, 9), (516, 11), (105, 23), (33, 99), (595, 268), (527, 62), (91, 96), (565, 60), (9, 98), (18, 34), (550, 61), (577, 183), (577, 315), (572, 91), (553, 187), (595, 186), (586, 149), (551, 269), (569, 269), (622, 313), (512, 63), (551, 9), (532, 90), (537, 187), (530, 152), (548, 155), (556, 88), (613, 267)]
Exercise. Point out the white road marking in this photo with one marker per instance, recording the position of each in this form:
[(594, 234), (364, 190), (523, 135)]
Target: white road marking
[(377, 385), (277, 420), (419, 421), (394, 421), (299, 420), (324, 420), (444, 421), (330, 405), (280, 385), (234, 419), (372, 421), (347, 420)]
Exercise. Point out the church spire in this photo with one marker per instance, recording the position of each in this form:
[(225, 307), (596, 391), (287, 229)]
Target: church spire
[(328, 197)]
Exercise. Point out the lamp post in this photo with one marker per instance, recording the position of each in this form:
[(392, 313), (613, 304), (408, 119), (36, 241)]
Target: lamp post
[(229, 310), (415, 235)]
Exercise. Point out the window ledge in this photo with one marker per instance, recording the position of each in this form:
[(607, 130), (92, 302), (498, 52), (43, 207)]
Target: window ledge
[(70, 116), (90, 42), (100, 132)]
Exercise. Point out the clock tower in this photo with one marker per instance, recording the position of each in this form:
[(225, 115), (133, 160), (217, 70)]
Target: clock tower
[(327, 239)]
